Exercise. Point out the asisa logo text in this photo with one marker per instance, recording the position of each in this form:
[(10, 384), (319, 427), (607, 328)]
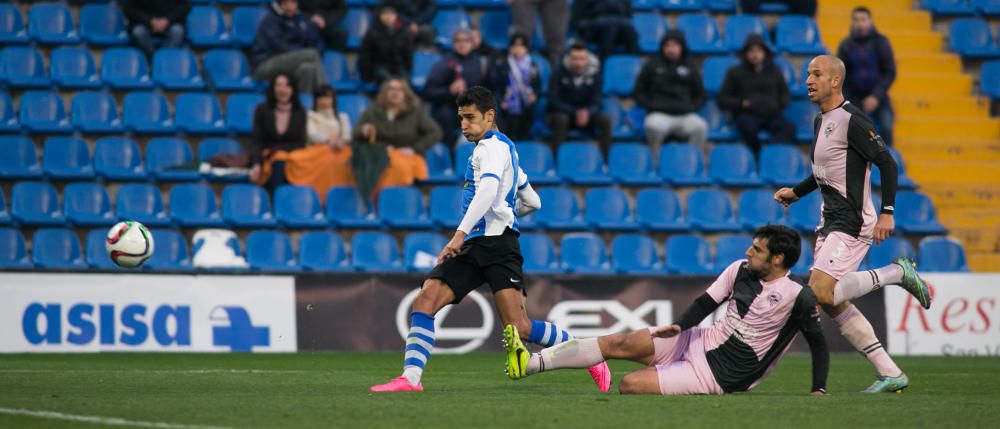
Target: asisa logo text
[(106, 324)]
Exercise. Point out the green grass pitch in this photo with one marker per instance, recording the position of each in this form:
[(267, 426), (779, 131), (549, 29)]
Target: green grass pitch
[(331, 390)]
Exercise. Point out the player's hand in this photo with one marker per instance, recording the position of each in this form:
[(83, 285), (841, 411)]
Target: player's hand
[(883, 228), (667, 331), (818, 393), (785, 196), (451, 249)]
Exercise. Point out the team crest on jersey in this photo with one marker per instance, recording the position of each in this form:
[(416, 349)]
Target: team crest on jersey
[(875, 138), (829, 129), (773, 298)]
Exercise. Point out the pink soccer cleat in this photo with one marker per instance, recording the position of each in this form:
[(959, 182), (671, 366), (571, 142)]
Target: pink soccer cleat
[(401, 384), (602, 376)]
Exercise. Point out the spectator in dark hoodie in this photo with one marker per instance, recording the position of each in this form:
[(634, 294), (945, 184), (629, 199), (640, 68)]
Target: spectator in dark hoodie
[(387, 48), (157, 23), (450, 76), (755, 92), (287, 43), (871, 69), (608, 23), (575, 94), (417, 16), (517, 84), (327, 15), (669, 87)]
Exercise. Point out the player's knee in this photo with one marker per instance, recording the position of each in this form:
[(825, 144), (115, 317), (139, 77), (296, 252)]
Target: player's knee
[(824, 294), (629, 384), (614, 346), (427, 300)]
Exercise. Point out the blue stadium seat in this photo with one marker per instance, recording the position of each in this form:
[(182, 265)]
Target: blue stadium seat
[(539, 254), (623, 127), (298, 207), (484, 4), (446, 206), (270, 251), (560, 210), (403, 207), (8, 118), (95, 113), (375, 252), (19, 160), (240, 108), (142, 203), (446, 22), (427, 244), (52, 24), (802, 113), (35, 203), (12, 29), (681, 5), (147, 113), (322, 251), (463, 151), (608, 209), (162, 153), (125, 68), (12, 253), (208, 148), (43, 112), (171, 253), (353, 105), (245, 20), (972, 38), (227, 70), (544, 71), (688, 254), (103, 25), (731, 248), (582, 164), (915, 214), (176, 69), (632, 164), (118, 158), (884, 253), (902, 180), (949, 7), (338, 73), (356, 22), (584, 253), (246, 205), (620, 72), (653, 27), (733, 165), (726, 6), (4, 212), (96, 251), (199, 113), (989, 82), (659, 210), (23, 67), (56, 248), (738, 27), (87, 204), (804, 214), (796, 86), (345, 208), (710, 210), (206, 28), (495, 25), (702, 34), (805, 262), (73, 68), (645, 5), (719, 126), (635, 254), (535, 159), (194, 206), (683, 165), (782, 165), (942, 254), (758, 208), (422, 63), (440, 166), (714, 72), (799, 35), (990, 8)]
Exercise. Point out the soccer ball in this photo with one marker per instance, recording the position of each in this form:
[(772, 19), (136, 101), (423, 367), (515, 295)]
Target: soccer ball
[(129, 244)]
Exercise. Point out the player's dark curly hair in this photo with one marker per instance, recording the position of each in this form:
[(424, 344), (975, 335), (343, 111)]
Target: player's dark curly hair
[(781, 240), (479, 96)]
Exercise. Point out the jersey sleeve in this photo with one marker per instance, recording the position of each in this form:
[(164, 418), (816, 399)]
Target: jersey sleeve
[(522, 179), (493, 156), (722, 288), (863, 138)]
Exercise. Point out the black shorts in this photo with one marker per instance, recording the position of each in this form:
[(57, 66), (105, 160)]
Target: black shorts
[(493, 260)]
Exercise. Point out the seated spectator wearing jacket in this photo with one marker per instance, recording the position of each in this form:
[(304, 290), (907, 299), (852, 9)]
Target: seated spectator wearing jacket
[(575, 94), (287, 43), (155, 24), (608, 23), (755, 92), (517, 83), (450, 76), (279, 127), (387, 48), (327, 16), (416, 16), (669, 87)]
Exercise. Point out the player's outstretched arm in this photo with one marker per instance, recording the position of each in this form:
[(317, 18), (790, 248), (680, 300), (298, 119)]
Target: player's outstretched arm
[(808, 314), (528, 200), (699, 309)]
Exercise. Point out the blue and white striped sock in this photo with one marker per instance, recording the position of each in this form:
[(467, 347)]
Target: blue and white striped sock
[(547, 334), (419, 345)]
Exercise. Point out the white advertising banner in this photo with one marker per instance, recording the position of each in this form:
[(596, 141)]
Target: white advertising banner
[(141, 312), (964, 318)]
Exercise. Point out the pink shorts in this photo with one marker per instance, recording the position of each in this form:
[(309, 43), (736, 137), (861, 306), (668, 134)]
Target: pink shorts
[(681, 365), (839, 254)]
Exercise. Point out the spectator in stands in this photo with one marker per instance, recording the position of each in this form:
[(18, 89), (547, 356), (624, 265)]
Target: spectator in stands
[(608, 23), (795, 7), (575, 94), (325, 124), (555, 22), (279, 127), (155, 24), (417, 16), (755, 92), (387, 48), (391, 137), (287, 43), (478, 46), (871, 69), (450, 76), (669, 87), (327, 15), (517, 83)]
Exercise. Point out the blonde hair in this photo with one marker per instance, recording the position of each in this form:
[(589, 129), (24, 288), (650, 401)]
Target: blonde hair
[(410, 99)]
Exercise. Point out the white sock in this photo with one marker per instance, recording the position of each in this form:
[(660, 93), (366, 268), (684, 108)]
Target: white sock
[(577, 353), (413, 374), (859, 332), (858, 284)]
